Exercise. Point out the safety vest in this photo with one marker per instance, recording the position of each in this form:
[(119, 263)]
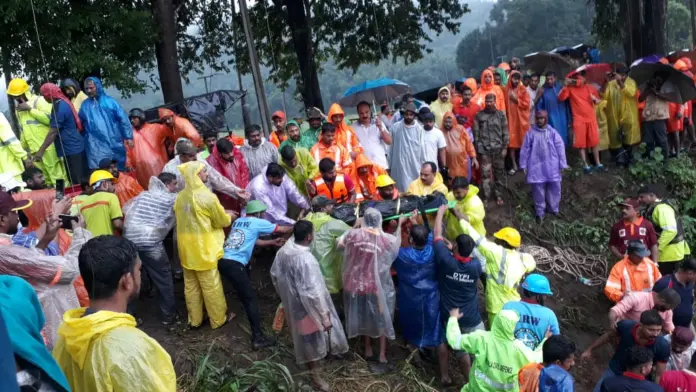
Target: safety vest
[(336, 158), (339, 193), (658, 228), (501, 287)]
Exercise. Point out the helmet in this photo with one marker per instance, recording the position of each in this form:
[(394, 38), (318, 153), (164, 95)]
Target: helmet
[(509, 235), (17, 87), (100, 175), (255, 206), (537, 284), (137, 112), (384, 180)]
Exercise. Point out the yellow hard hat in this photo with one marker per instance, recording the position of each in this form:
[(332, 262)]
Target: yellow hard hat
[(384, 180), (509, 235), (17, 87), (100, 175)]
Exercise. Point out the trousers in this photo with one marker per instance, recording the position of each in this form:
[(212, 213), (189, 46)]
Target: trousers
[(238, 274), (156, 264), (204, 287), (546, 193), (492, 171), (655, 135)]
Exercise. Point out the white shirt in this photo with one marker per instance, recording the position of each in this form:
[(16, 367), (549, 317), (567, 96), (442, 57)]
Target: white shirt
[(532, 111), (433, 140), (371, 140)]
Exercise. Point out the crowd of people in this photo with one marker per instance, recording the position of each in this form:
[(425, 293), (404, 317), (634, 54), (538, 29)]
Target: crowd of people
[(72, 256)]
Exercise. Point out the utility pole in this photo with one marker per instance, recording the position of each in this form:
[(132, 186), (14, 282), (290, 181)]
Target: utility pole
[(255, 70), (206, 78)]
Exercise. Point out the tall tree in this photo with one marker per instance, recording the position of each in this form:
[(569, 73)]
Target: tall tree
[(166, 51)]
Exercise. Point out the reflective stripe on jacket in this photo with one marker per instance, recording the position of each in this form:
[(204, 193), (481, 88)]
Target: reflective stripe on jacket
[(626, 277), (339, 193)]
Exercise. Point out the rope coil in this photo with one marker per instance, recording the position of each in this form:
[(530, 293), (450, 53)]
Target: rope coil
[(566, 261)]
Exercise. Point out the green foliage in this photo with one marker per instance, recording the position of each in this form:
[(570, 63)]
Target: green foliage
[(679, 26), (679, 174)]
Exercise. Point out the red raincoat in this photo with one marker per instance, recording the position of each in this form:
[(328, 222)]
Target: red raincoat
[(237, 172)]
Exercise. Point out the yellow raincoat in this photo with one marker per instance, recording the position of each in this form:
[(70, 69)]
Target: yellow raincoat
[(11, 152), (106, 352), (35, 124), (78, 100), (306, 169), (416, 187), (600, 112), (472, 207), (439, 108), (622, 113), (200, 219)]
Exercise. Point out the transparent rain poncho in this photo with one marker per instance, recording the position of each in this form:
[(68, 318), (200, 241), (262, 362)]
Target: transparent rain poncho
[(150, 215), (300, 284), (368, 289)]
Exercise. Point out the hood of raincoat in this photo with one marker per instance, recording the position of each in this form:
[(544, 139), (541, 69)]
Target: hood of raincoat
[(71, 83), (444, 117), (189, 171), (471, 82), (163, 113), (98, 84), (157, 186), (79, 332), (292, 122), (335, 109), (519, 87), (503, 76), (438, 95), (486, 86), (473, 191), (504, 323), (361, 161)]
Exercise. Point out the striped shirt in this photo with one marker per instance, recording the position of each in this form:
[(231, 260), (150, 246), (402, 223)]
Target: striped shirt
[(257, 158)]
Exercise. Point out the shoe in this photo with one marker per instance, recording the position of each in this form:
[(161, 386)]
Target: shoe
[(167, 321), (261, 341), (587, 169), (600, 168)]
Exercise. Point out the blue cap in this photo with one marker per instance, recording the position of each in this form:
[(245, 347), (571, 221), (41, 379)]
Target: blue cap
[(537, 284)]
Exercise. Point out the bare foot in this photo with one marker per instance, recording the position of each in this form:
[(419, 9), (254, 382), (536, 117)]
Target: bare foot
[(445, 381), (382, 359), (319, 384)]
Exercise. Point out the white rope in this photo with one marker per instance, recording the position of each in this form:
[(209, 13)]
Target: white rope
[(566, 261)]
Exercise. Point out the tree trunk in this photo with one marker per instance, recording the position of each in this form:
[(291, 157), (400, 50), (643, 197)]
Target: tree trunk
[(6, 69), (654, 27), (632, 41), (166, 51), (299, 13)]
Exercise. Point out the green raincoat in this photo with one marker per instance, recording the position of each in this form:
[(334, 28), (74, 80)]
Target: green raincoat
[(499, 356), (472, 207), (305, 141), (326, 232), (306, 169)]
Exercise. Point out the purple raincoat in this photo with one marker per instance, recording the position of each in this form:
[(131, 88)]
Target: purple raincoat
[(543, 155)]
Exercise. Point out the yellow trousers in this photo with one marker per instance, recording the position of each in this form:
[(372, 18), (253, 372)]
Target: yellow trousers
[(204, 287)]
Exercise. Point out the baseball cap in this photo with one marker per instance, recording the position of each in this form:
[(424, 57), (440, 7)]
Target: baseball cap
[(8, 203), (313, 113), (629, 202), (638, 248), (106, 162), (410, 107), (322, 201), (279, 114)]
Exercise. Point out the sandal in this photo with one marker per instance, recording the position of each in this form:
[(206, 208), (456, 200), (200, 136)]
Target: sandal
[(512, 172)]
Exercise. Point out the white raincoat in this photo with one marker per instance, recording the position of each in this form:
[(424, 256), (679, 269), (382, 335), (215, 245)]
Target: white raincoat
[(407, 153), (150, 215)]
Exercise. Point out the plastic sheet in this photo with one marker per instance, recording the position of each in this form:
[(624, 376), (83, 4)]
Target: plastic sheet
[(127, 188), (41, 207), (206, 112), (149, 153), (326, 231), (150, 216), (307, 303)]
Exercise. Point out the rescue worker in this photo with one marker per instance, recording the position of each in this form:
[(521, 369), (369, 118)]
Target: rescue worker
[(386, 188), (71, 89), (535, 319), (101, 209), (636, 272), (127, 187), (315, 119), (181, 126), (149, 153), (33, 118), (279, 134), (553, 374), (671, 243), (299, 167), (337, 187), (468, 203), (327, 147), (505, 266), (366, 173), (345, 135), (13, 158)]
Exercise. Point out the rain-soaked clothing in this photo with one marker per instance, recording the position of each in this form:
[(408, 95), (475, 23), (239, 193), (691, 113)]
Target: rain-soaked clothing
[(11, 152), (554, 378), (517, 112), (472, 206), (622, 113), (307, 303), (182, 127), (439, 108), (407, 154), (460, 150), (368, 289), (51, 276), (200, 219), (306, 169), (104, 351), (499, 356), (345, 135), (559, 111), (491, 137), (149, 153), (670, 242), (215, 182), (489, 88), (602, 124), (257, 158), (236, 172), (127, 188), (150, 216), (106, 127), (365, 187), (35, 125), (504, 268), (324, 248), (418, 297), (585, 128), (543, 157), (276, 198)]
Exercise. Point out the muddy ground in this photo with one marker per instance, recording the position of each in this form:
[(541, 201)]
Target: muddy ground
[(582, 310)]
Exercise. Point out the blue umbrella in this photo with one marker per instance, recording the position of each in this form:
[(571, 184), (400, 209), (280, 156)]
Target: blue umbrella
[(652, 59), (374, 91)]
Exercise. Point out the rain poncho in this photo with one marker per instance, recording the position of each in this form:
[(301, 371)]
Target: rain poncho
[(439, 108), (34, 125), (472, 206), (200, 219), (324, 248), (418, 297), (554, 378), (257, 158), (368, 289), (149, 154), (365, 187), (306, 169), (104, 351), (106, 127), (543, 155), (602, 124), (622, 113), (503, 75), (236, 172), (499, 356), (418, 188), (517, 112), (407, 154), (472, 84), (304, 142), (215, 182), (307, 303), (559, 111), (51, 276), (459, 150), (345, 135), (11, 152), (489, 88), (276, 198), (127, 188), (150, 216), (182, 127)]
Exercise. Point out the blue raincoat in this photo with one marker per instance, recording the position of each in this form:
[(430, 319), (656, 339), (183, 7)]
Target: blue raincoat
[(418, 297), (553, 378), (106, 126), (559, 111)]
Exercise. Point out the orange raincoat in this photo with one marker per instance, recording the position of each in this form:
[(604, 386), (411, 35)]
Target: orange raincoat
[(459, 148), (584, 117), (471, 82), (127, 188), (149, 153), (517, 112), (182, 127), (489, 88), (345, 135), (365, 187)]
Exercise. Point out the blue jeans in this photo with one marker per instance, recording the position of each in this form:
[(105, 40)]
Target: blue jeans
[(607, 373)]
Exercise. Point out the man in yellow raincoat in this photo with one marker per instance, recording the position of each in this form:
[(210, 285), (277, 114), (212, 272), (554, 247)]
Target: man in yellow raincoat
[(200, 219), (469, 205), (99, 348), (12, 155), (33, 116), (429, 181), (622, 113)]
